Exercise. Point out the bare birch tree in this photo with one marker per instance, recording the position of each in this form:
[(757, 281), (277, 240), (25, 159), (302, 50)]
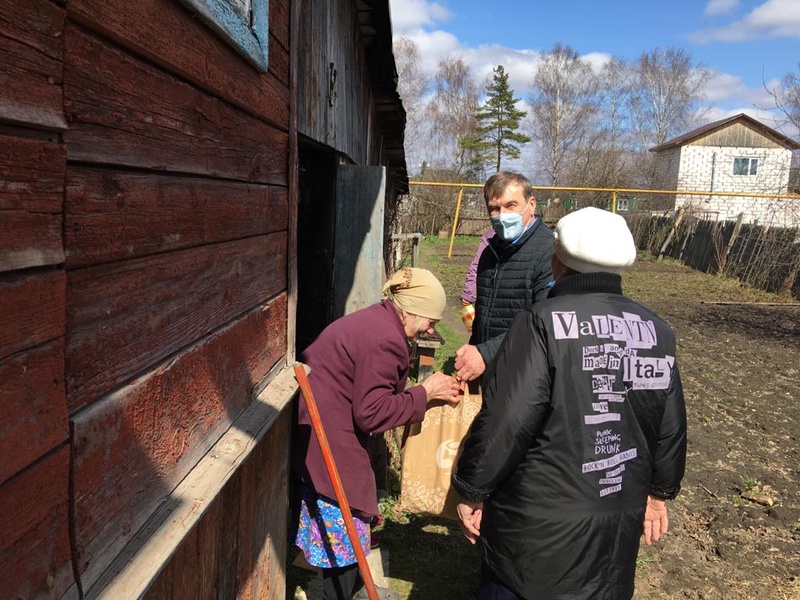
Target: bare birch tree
[(787, 98), (412, 85), (563, 105), (452, 112), (664, 102)]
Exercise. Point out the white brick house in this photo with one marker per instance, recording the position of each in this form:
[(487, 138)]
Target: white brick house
[(738, 154)]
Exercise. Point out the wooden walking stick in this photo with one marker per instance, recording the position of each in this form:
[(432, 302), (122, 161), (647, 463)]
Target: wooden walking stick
[(316, 422)]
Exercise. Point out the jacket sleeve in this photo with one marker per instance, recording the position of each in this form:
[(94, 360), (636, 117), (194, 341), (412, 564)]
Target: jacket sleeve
[(515, 403), (377, 406), (670, 458), (542, 279), (489, 348)]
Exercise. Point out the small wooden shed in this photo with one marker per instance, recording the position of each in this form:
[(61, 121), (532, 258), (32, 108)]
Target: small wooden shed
[(738, 154), (187, 187)]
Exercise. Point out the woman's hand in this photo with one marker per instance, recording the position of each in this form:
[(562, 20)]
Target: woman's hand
[(442, 387)]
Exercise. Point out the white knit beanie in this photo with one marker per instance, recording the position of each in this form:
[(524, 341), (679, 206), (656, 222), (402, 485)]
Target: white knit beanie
[(591, 240)]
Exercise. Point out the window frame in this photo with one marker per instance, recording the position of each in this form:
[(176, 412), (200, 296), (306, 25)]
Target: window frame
[(249, 37), (752, 166)]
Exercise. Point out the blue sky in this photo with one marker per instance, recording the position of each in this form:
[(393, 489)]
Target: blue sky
[(744, 43)]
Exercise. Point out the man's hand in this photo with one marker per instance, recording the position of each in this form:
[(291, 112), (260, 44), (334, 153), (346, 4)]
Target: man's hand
[(439, 386), (656, 520), (469, 515), (469, 363)]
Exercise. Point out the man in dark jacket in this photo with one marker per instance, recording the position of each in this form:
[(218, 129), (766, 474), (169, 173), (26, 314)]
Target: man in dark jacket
[(513, 271), (582, 434)]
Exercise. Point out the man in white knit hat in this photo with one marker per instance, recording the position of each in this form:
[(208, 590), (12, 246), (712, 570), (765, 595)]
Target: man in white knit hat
[(582, 434)]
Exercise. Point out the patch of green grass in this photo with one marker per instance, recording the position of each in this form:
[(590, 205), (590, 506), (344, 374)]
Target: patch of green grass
[(453, 340), (748, 484), (430, 558)]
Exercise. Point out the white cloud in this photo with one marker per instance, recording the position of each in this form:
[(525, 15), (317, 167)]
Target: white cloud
[(772, 19), (723, 87), (715, 8), (408, 15)]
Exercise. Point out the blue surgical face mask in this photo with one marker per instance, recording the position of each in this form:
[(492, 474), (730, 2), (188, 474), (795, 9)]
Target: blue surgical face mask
[(508, 226)]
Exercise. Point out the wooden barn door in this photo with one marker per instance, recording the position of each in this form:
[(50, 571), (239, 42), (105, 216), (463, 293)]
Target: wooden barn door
[(358, 266)]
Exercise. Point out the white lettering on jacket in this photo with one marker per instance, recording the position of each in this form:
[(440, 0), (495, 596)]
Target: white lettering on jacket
[(629, 328)]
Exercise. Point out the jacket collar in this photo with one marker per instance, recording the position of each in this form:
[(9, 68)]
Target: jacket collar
[(587, 283)]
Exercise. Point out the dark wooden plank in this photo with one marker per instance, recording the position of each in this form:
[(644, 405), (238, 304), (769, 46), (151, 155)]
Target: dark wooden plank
[(242, 560), (279, 22), (34, 538), (31, 175), (116, 215), (164, 32), (135, 446), (124, 111), (31, 310), (29, 240), (124, 317), (143, 558), (31, 197), (31, 49), (34, 406), (278, 61), (271, 484), (279, 40)]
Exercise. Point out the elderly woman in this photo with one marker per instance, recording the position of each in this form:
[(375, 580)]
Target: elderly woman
[(359, 365)]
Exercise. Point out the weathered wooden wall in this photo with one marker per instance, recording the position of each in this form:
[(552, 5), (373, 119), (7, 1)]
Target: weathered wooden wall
[(144, 214), (34, 431), (347, 98)]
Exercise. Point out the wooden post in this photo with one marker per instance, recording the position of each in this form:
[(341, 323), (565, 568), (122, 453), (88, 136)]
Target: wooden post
[(426, 355), (681, 212), (415, 249), (723, 258), (455, 222)]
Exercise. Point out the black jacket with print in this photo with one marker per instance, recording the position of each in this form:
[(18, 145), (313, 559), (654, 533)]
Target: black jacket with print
[(583, 416)]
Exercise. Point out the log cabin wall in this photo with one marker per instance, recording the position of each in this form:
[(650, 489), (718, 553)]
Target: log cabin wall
[(144, 213), (347, 84)]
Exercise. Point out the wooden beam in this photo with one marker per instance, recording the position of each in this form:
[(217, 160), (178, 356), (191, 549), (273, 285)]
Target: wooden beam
[(136, 567)]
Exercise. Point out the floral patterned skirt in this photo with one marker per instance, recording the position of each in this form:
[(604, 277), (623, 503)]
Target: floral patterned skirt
[(321, 532)]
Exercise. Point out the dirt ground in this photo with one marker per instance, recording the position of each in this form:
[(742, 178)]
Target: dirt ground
[(736, 525), (735, 528)]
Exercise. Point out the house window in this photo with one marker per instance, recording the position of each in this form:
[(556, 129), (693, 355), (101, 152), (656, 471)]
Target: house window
[(745, 166), (622, 205), (244, 24)]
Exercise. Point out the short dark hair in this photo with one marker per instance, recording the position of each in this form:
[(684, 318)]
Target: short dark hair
[(497, 184)]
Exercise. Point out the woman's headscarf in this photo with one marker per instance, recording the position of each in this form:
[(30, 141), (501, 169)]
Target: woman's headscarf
[(416, 291)]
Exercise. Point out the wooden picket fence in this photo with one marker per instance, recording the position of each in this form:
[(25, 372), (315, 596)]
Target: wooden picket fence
[(764, 257)]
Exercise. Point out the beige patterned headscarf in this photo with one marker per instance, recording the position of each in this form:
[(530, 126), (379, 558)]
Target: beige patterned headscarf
[(416, 291)]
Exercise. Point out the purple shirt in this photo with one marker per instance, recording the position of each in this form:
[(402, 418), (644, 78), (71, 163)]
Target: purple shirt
[(359, 365), (469, 293)]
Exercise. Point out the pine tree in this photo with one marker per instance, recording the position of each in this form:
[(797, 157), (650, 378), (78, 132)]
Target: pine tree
[(498, 121)]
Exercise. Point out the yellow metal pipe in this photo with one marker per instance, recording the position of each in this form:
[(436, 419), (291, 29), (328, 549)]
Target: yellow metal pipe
[(614, 202), (455, 223), (619, 190)]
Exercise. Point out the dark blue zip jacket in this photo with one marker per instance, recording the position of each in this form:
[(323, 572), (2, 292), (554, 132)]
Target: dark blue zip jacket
[(511, 277)]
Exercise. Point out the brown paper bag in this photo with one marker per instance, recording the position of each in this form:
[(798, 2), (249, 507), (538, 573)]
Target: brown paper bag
[(429, 455)]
